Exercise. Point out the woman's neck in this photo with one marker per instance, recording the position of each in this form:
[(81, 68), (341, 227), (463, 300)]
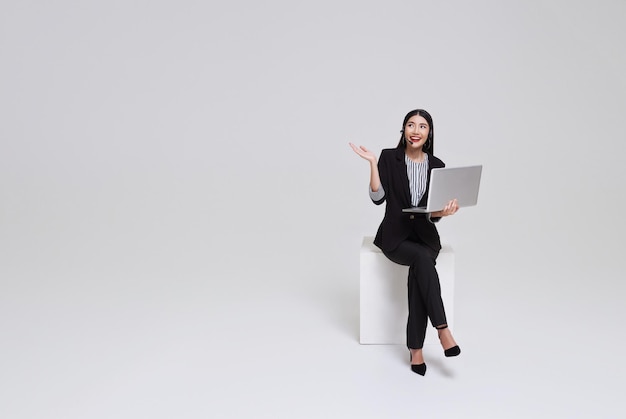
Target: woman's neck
[(417, 155)]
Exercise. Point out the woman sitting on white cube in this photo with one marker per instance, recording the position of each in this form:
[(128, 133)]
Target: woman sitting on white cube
[(400, 178)]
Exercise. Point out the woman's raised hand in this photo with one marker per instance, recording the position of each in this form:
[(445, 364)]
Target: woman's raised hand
[(364, 152)]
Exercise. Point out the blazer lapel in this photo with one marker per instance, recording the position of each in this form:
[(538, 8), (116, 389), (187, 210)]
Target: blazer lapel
[(404, 178)]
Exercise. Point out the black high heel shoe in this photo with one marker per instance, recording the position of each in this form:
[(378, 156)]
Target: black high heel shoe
[(450, 352), (419, 368)]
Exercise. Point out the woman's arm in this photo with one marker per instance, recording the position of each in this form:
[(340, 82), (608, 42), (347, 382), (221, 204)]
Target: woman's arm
[(371, 158)]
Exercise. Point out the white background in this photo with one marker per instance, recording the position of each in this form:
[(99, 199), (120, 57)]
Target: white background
[(181, 215)]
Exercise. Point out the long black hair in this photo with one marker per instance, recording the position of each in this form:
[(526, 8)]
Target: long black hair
[(429, 145)]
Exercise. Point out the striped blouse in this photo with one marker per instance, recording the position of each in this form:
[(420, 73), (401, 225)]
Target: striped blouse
[(418, 174)]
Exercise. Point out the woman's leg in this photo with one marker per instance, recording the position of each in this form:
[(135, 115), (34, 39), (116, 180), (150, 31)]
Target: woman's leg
[(424, 291), (418, 316)]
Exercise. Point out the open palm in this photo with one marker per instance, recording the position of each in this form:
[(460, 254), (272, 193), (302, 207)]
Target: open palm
[(363, 152)]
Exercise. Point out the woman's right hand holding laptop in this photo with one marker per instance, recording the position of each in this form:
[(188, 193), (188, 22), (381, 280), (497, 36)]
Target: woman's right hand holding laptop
[(451, 208)]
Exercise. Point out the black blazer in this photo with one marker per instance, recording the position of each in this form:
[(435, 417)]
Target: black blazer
[(397, 225)]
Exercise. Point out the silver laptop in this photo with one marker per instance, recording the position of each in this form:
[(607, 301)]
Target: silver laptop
[(448, 183)]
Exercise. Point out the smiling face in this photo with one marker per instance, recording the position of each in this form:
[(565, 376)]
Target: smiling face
[(416, 132)]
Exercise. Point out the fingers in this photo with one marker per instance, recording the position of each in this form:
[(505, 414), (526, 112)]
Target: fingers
[(451, 208), (363, 152), (358, 150)]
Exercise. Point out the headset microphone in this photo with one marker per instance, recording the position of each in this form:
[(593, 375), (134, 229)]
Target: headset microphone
[(407, 139)]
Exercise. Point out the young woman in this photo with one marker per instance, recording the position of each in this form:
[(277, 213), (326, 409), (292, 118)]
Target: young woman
[(400, 178)]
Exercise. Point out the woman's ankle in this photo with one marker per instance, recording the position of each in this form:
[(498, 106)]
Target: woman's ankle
[(417, 356), (446, 338)]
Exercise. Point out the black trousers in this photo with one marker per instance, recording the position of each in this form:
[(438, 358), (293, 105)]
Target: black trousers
[(424, 290)]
